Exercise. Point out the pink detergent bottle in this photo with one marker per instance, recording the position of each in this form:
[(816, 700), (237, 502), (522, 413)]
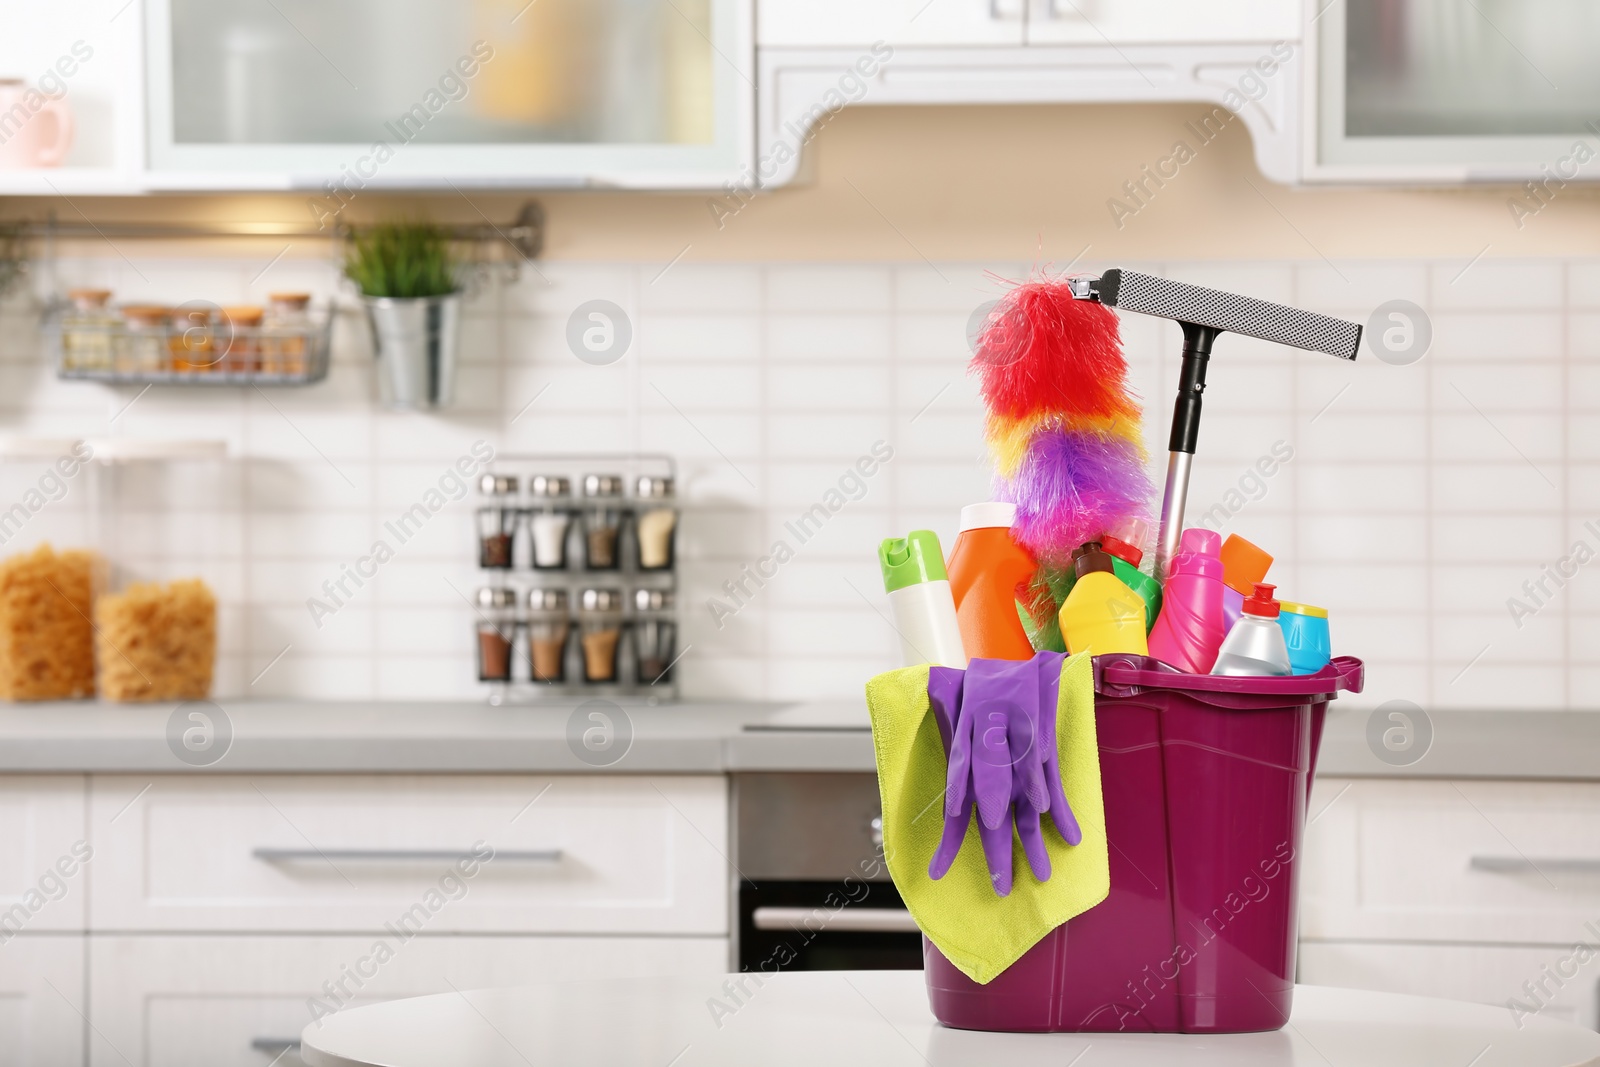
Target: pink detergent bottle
[(1191, 626)]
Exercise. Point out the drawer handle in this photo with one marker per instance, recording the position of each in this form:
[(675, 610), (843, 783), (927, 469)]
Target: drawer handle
[(403, 855), (843, 921), (1519, 864), (279, 1045)]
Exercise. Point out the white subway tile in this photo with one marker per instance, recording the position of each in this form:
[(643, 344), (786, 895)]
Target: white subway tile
[(828, 287), (1506, 336), (687, 286), (734, 438), (828, 387), (671, 338), (1497, 284), (705, 387), (823, 338)]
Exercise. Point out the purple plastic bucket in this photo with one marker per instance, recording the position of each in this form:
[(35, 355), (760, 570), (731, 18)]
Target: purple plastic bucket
[(1206, 781)]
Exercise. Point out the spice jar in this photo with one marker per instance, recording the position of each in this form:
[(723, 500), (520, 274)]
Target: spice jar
[(549, 519), (241, 343), (86, 330), (657, 524), (655, 635), (602, 521), (497, 521), (143, 347), (497, 632), (189, 340), (549, 628), (600, 632), (286, 338)]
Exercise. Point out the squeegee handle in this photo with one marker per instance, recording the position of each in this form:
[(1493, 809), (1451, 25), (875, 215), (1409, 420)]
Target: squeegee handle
[(1181, 444)]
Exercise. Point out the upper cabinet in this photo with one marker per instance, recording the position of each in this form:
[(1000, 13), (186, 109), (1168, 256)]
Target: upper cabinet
[(831, 23), (341, 95), (1452, 90), (423, 93)]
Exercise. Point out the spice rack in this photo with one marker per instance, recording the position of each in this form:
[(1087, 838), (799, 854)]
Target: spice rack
[(578, 558), (190, 345)]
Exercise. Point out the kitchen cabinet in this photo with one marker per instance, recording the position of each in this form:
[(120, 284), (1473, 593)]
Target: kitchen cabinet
[(845, 23), (1485, 974), (239, 1001), (1462, 889), (43, 853), (580, 854), (41, 995), (1453, 861), (1436, 91), (1135, 21)]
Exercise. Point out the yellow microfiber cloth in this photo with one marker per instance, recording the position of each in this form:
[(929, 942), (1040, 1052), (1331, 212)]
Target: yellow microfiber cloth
[(978, 931)]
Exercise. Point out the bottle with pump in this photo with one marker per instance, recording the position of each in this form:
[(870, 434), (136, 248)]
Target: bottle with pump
[(985, 567), (1255, 645), (919, 595), (1122, 545), (1101, 614), (1190, 628)]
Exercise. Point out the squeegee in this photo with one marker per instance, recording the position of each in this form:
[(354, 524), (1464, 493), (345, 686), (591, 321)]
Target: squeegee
[(1203, 313)]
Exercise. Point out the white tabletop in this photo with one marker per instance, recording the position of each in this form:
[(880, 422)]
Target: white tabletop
[(882, 1018)]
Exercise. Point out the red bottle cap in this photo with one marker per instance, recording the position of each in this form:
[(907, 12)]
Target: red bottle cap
[(1124, 539), (1261, 602)]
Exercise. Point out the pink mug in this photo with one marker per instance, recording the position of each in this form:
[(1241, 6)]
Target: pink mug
[(35, 130)]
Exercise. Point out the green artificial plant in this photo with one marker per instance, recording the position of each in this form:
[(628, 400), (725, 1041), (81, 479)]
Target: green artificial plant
[(402, 259)]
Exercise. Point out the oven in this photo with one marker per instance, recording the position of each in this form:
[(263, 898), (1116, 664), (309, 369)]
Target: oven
[(813, 893)]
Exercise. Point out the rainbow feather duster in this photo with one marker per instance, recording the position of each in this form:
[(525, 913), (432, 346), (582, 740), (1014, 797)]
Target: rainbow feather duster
[(1063, 429)]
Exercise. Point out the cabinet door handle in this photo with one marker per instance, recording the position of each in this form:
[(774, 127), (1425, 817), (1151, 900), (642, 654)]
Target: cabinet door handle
[(274, 1044), (403, 855), (843, 921), (1521, 864)]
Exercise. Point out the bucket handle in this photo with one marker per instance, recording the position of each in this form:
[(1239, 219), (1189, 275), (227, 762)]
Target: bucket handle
[(1121, 674)]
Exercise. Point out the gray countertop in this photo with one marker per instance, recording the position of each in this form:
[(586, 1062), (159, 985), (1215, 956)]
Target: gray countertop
[(693, 737)]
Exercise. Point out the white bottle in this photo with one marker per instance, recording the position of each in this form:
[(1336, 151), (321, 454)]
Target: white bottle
[(919, 595), (1255, 644)]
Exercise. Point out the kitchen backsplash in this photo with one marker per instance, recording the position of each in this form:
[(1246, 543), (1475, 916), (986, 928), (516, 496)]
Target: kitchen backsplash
[(1440, 510)]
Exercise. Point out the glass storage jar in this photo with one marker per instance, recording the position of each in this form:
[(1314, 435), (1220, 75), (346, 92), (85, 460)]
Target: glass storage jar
[(600, 633), (602, 521), (285, 344), (240, 340), (142, 348), (497, 633), (87, 329), (189, 340), (497, 521), (656, 524), (549, 520), (655, 635), (549, 633)]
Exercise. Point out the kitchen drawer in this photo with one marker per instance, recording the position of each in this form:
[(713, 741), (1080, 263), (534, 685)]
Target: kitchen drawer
[(41, 993), (1504, 862), (43, 853), (1484, 974), (172, 1001), (582, 854)]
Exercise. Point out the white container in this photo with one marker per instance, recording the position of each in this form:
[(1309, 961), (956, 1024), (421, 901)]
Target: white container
[(1255, 645), (920, 598)]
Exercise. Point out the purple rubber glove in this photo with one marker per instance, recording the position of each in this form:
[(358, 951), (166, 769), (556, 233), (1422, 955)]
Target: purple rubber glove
[(998, 726)]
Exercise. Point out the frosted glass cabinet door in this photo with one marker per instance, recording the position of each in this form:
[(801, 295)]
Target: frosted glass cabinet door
[(413, 92), (1487, 86)]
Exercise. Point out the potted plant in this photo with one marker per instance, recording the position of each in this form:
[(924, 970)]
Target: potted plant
[(407, 277)]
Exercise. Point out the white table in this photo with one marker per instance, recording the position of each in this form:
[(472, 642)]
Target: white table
[(881, 1018)]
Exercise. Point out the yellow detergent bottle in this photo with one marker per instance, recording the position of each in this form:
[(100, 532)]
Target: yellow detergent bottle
[(1101, 614)]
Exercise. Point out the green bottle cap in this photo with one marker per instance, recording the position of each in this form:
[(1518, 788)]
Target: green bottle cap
[(911, 560)]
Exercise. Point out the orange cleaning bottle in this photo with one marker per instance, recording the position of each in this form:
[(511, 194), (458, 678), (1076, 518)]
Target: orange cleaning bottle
[(985, 567)]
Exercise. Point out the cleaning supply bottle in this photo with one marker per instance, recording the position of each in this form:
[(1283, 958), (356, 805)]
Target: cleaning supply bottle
[(1255, 644), (985, 568), (1190, 628), (1122, 545), (919, 594), (1243, 565), (1101, 614), (1305, 632)]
